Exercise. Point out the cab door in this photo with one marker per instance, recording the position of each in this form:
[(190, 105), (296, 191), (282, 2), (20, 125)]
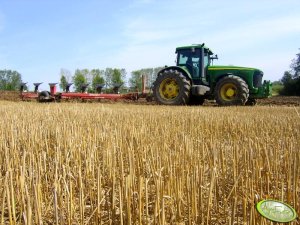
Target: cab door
[(191, 60)]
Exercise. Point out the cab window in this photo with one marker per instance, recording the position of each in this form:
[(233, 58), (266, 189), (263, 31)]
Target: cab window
[(188, 57), (206, 60), (191, 60)]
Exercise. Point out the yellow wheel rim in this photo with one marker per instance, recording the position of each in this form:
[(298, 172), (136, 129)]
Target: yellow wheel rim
[(228, 92), (169, 89)]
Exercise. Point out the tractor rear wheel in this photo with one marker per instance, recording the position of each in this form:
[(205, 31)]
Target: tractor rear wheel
[(171, 88), (231, 90)]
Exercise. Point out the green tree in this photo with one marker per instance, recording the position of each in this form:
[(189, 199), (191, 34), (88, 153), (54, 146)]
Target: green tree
[(79, 79), (10, 80), (291, 79), (287, 82), (135, 81), (287, 77), (64, 78), (115, 76), (86, 74), (108, 75), (150, 75), (296, 66), (97, 77), (123, 75), (63, 82), (277, 87)]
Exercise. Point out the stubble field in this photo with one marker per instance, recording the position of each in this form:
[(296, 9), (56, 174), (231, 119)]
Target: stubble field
[(93, 163)]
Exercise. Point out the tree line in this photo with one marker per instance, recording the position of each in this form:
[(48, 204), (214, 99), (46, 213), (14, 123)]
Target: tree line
[(109, 77), (11, 80), (289, 84)]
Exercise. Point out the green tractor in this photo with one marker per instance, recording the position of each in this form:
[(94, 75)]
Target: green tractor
[(195, 79)]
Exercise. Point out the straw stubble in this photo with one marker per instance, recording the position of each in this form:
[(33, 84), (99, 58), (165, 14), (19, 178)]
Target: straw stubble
[(73, 163)]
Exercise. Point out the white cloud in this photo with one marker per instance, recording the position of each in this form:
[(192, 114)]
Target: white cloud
[(237, 30), (257, 32), (215, 23)]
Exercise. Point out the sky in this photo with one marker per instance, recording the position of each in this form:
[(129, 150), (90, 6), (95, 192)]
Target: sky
[(38, 38)]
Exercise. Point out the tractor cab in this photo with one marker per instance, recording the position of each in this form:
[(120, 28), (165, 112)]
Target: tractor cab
[(195, 59)]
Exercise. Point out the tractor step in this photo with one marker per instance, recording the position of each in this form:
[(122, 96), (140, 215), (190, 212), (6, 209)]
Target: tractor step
[(200, 90)]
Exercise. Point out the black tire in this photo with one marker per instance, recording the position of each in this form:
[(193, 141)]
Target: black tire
[(196, 100), (171, 88), (251, 102), (43, 96), (231, 90)]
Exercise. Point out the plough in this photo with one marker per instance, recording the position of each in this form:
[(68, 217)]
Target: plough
[(54, 96)]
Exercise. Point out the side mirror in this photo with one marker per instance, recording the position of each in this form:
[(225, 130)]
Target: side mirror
[(214, 57)]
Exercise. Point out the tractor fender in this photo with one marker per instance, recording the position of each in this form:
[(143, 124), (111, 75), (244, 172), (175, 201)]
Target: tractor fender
[(228, 74), (224, 75), (213, 85), (182, 70)]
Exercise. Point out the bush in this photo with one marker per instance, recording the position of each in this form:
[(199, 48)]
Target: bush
[(291, 79), (277, 88)]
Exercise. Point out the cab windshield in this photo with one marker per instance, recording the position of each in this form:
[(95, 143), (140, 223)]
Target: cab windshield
[(187, 57)]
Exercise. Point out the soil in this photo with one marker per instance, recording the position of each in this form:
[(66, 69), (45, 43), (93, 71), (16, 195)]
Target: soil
[(10, 96), (280, 100), (275, 100)]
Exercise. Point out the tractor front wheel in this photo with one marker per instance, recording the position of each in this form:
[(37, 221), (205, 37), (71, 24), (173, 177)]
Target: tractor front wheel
[(171, 88), (231, 90)]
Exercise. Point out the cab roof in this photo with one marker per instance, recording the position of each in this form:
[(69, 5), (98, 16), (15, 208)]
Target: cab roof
[(195, 46)]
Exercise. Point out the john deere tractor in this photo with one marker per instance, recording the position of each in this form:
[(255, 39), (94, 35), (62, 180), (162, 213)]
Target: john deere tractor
[(195, 79)]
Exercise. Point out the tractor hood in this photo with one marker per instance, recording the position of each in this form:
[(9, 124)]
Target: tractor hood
[(252, 76), (232, 68)]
